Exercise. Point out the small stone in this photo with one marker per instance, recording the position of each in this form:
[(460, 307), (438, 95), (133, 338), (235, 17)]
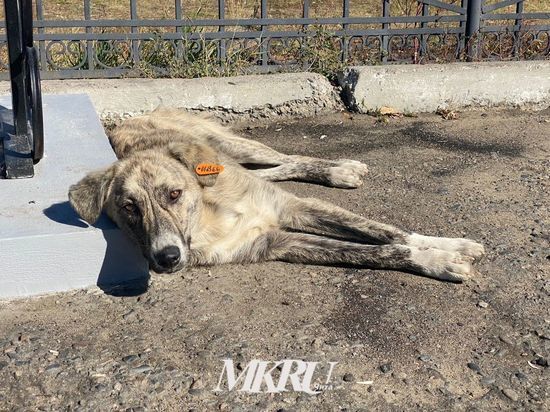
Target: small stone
[(3, 364), (401, 375), (348, 377), (506, 339), (141, 369), (53, 367), (542, 362), (425, 358), (317, 343), (501, 353), (474, 366), (487, 380), (521, 376), (130, 316), (482, 304), (511, 394), (130, 358), (385, 368), (98, 377)]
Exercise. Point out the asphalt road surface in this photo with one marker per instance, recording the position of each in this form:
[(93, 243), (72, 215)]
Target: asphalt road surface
[(401, 342)]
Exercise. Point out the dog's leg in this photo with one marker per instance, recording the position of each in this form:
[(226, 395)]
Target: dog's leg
[(346, 174), (316, 216), (312, 249), (337, 173)]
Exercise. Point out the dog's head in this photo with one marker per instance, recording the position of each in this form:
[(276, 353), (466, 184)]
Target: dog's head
[(154, 196)]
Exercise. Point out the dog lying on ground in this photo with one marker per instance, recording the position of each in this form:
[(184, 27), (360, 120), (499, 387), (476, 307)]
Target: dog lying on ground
[(179, 190)]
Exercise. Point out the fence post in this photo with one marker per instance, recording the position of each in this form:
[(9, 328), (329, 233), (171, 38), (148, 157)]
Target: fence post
[(517, 30), (179, 42), (305, 38), (473, 23), (221, 29), (89, 45), (134, 30), (264, 46), (385, 43), (345, 40)]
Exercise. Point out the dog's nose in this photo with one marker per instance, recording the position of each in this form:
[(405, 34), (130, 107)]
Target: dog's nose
[(168, 257)]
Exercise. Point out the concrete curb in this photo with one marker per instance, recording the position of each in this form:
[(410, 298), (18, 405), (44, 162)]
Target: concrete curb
[(425, 88), (241, 97), (406, 88)]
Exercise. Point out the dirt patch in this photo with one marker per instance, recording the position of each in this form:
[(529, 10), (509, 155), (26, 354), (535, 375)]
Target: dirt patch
[(424, 344)]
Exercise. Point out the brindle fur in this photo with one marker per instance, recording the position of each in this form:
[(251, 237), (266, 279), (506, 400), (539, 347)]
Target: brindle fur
[(238, 216)]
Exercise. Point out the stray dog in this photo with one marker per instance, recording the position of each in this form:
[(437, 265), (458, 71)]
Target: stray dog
[(179, 190)]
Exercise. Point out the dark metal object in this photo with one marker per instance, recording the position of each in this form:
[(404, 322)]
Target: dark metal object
[(440, 31), (472, 28), (23, 143)]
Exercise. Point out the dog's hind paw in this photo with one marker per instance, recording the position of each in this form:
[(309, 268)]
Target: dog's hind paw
[(442, 265), (465, 247), (347, 174)]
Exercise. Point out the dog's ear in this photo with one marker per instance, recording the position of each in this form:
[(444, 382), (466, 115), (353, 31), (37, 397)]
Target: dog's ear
[(193, 155), (88, 196)]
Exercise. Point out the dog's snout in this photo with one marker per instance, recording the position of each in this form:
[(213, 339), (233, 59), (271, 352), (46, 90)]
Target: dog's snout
[(168, 257)]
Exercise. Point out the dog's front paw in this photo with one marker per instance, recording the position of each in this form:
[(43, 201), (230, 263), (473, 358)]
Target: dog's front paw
[(347, 174), (470, 248), (441, 264)]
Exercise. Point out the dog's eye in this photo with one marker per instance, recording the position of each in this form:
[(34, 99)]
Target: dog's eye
[(175, 194), (130, 208)]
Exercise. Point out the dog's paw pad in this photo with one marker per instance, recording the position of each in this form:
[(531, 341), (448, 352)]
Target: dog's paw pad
[(353, 165), (465, 247), (472, 249), (344, 177), (347, 173), (443, 265)]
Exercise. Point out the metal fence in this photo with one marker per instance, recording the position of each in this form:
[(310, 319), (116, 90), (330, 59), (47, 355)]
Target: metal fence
[(428, 31)]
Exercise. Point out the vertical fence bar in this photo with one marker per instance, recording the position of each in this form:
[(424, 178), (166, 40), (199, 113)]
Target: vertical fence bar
[(179, 16), (517, 32), (221, 29), (305, 15), (385, 38), (41, 43), (134, 29), (423, 37), (473, 24), (462, 25), (345, 40), (263, 40), (89, 46)]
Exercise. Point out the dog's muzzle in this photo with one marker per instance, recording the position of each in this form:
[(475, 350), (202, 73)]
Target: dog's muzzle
[(168, 259)]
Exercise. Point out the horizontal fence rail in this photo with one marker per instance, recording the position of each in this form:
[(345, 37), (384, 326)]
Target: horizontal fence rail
[(405, 31)]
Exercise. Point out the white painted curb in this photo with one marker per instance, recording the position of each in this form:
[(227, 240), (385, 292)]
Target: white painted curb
[(425, 88)]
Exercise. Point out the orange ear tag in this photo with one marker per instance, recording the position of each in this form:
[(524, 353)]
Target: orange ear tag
[(204, 169)]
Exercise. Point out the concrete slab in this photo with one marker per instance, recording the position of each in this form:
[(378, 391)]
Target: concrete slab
[(425, 88), (44, 246)]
